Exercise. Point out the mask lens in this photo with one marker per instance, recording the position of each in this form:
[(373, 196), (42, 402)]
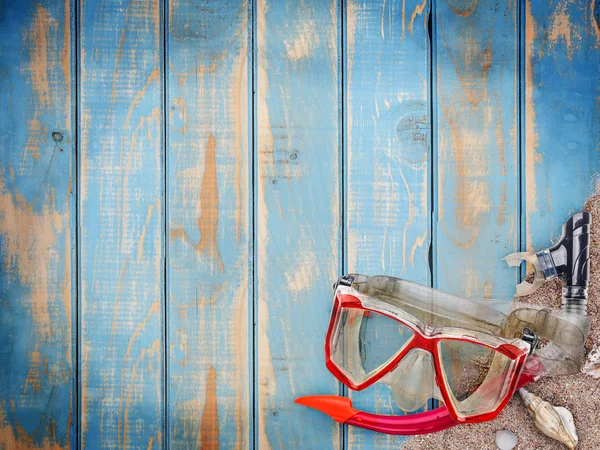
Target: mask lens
[(364, 341), (476, 376)]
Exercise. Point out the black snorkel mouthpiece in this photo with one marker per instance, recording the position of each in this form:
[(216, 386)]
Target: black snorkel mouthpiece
[(569, 260)]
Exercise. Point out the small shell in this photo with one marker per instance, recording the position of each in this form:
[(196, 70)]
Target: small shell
[(506, 440), (592, 363)]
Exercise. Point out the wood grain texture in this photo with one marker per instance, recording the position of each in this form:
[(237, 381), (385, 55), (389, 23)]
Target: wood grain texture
[(121, 225), (476, 137), (298, 233), (562, 109), (388, 209), (207, 206), (37, 369), (208, 196)]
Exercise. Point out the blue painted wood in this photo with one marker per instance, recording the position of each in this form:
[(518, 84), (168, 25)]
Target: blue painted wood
[(562, 127), (208, 195), (298, 216), (37, 352), (121, 225), (477, 172), (476, 218), (388, 158)]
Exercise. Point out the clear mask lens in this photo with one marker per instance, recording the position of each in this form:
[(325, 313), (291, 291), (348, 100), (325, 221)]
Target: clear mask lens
[(364, 342), (476, 376)]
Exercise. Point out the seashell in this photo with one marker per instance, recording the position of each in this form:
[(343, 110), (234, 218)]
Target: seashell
[(506, 440), (592, 363), (554, 421)]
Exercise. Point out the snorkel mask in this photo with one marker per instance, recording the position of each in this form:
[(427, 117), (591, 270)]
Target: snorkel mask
[(471, 355)]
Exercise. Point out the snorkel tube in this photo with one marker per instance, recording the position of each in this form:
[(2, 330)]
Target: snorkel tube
[(340, 409), (568, 259)]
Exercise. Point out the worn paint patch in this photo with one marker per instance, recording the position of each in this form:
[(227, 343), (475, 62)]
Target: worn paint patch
[(34, 374), (419, 9), (411, 215), (472, 194), (595, 18), (240, 344), (13, 436), (351, 36), (240, 96), (42, 41), (462, 8), (152, 356), (65, 59), (209, 429), (42, 44), (29, 239), (140, 252), (267, 382), (179, 103), (562, 29), (302, 270), (472, 63), (419, 241), (208, 223), (304, 39)]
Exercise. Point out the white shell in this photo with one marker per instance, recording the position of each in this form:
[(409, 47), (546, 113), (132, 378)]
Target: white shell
[(592, 363), (506, 440), (569, 423), (554, 421)]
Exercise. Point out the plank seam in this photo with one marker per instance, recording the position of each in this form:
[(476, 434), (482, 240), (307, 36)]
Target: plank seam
[(432, 169), (521, 153), (74, 23), (163, 14), (433, 156), (77, 133), (342, 96), (253, 244)]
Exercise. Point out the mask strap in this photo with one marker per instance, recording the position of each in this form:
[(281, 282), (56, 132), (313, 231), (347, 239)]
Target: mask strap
[(340, 409)]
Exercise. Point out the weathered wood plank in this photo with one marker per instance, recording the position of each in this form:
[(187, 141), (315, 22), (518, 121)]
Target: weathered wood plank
[(562, 126), (208, 195), (121, 225), (388, 159), (37, 370), (477, 159), (298, 235)]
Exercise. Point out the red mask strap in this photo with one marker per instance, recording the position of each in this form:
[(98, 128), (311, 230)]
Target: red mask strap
[(340, 409)]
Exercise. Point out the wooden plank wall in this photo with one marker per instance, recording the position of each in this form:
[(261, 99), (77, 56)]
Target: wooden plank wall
[(388, 159), (562, 113), (181, 181), (37, 225), (208, 225), (121, 224), (475, 147), (298, 215)]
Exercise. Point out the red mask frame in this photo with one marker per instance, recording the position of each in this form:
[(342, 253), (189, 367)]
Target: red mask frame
[(427, 343)]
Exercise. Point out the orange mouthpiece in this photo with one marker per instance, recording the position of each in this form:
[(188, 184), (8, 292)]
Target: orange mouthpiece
[(338, 408)]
